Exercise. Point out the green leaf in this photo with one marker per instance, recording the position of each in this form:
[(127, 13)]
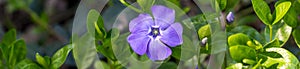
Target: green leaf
[(281, 31), (244, 20), (222, 4), (40, 59), (296, 36), (273, 43), (235, 66), (249, 61), (101, 65), (195, 22), (240, 52), (168, 65), (238, 39), (291, 18), (257, 65), (231, 4), (84, 51), (262, 10), (92, 19), (146, 4), (204, 31), (289, 61), (27, 64), (251, 32), (281, 9), (176, 2), (106, 48), (100, 29), (176, 52), (185, 51), (17, 52), (9, 37), (60, 56)]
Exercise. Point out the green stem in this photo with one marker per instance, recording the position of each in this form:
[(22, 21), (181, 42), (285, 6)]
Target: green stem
[(271, 29), (130, 6), (43, 24)]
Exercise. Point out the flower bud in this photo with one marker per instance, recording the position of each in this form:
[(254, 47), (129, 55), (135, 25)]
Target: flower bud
[(204, 41), (230, 17)]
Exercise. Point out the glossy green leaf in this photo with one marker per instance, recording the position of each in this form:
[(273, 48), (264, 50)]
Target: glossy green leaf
[(60, 56), (296, 36), (251, 32), (40, 59), (235, 66), (240, 52), (204, 31), (281, 9), (9, 37), (238, 39), (281, 31), (222, 4), (27, 64), (289, 61), (291, 18), (262, 10), (273, 43)]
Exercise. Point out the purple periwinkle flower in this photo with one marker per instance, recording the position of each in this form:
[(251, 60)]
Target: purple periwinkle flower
[(230, 17), (152, 35)]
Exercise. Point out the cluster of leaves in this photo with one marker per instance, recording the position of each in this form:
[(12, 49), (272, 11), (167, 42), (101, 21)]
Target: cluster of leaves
[(250, 49), (13, 55)]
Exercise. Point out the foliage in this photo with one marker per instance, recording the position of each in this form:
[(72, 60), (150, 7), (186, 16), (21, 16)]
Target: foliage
[(242, 46), (13, 55)]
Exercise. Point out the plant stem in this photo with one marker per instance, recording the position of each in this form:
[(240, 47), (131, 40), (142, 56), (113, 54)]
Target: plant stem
[(130, 6), (36, 19), (271, 29)]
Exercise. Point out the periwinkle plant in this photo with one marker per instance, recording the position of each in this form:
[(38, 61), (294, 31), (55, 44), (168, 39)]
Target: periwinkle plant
[(152, 35)]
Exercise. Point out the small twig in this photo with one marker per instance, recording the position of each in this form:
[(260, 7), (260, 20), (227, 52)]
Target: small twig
[(130, 6), (43, 24)]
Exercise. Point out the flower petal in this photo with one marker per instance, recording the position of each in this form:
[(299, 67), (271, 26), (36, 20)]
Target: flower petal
[(138, 43), (142, 23), (172, 36), (163, 16), (158, 51)]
